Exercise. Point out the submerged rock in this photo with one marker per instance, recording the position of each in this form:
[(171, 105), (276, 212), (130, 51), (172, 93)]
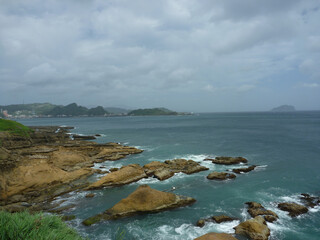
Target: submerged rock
[(294, 209), (216, 236), (310, 201), (255, 228), (217, 219), (143, 200), (220, 176), (90, 195), (125, 175), (227, 160), (256, 209)]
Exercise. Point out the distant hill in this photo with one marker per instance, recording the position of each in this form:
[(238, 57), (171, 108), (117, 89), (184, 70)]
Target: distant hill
[(284, 108), (114, 110), (33, 108), (75, 110), (152, 112)]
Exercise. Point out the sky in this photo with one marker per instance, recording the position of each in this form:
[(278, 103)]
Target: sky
[(186, 55)]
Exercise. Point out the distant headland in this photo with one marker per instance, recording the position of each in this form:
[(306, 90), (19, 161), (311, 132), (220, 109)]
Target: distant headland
[(35, 110), (284, 108)]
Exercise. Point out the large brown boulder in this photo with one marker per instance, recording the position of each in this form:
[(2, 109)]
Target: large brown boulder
[(216, 236), (256, 209), (227, 160), (125, 175), (294, 209), (220, 176), (143, 200), (255, 228)]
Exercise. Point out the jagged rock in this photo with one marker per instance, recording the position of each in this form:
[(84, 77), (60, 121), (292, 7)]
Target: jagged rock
[(294, 209), (185, 166), (310, 201), (244, 170), (143, 200), (227, 160), (216, 236), (220, 176), (222, 218), (201, 222), (255, 228), (163, 174), (125, 175), (256, 209), (167, 169)]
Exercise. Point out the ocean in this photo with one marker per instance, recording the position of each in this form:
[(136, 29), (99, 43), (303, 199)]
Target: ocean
[(285, 146)]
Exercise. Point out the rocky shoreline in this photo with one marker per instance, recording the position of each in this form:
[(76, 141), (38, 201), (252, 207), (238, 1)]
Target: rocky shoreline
[(50, 162)]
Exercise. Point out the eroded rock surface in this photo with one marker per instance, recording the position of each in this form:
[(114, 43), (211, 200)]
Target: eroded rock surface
[(255, 228), (256, 209), (143, 200), (216, 236), (294, 209), (244, 170), (125, 175)]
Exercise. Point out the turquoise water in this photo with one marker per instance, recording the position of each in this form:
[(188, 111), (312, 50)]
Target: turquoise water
[(286, 146)]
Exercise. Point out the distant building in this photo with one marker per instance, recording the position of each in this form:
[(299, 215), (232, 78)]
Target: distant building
[(5, 113)]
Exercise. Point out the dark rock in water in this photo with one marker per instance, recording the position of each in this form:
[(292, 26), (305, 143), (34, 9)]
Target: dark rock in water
[(244, 170), (294, 209), (82, 137), (222, 218), (227, 160), (256, 209), (90, 195), (143, 200), (220, 176), (68, 217), (113, 169), (255, 228), (201, 222), (310, 201), (216, 236), (97, 135), (217, 219), (62, 209)]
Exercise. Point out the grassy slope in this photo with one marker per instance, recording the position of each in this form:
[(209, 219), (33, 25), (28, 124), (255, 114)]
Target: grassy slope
[(14, 127), (23, 225)]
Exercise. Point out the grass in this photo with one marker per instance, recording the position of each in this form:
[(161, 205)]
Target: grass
[(14, 127), (20, 226)]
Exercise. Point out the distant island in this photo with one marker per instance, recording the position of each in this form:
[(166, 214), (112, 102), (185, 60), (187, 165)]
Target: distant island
[(284, 108), (152, 112), (35, 110)]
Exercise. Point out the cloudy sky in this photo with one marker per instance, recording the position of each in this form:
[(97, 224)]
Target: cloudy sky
[(187, 55)]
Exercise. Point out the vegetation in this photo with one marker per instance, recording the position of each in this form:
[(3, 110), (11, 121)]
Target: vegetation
[(20, 226), (29, 109), (14, 127), (152, 112)]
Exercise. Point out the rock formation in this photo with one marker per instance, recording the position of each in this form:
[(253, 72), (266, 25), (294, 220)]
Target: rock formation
[(294, 209), (244, 170), (216, 236), (125, 175), (220, 176), (256, 209), (255, 228), (143, 200), (227, 160)]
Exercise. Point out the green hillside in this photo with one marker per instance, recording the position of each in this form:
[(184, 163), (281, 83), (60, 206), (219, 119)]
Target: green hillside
[(152, 112), (14, 127)]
